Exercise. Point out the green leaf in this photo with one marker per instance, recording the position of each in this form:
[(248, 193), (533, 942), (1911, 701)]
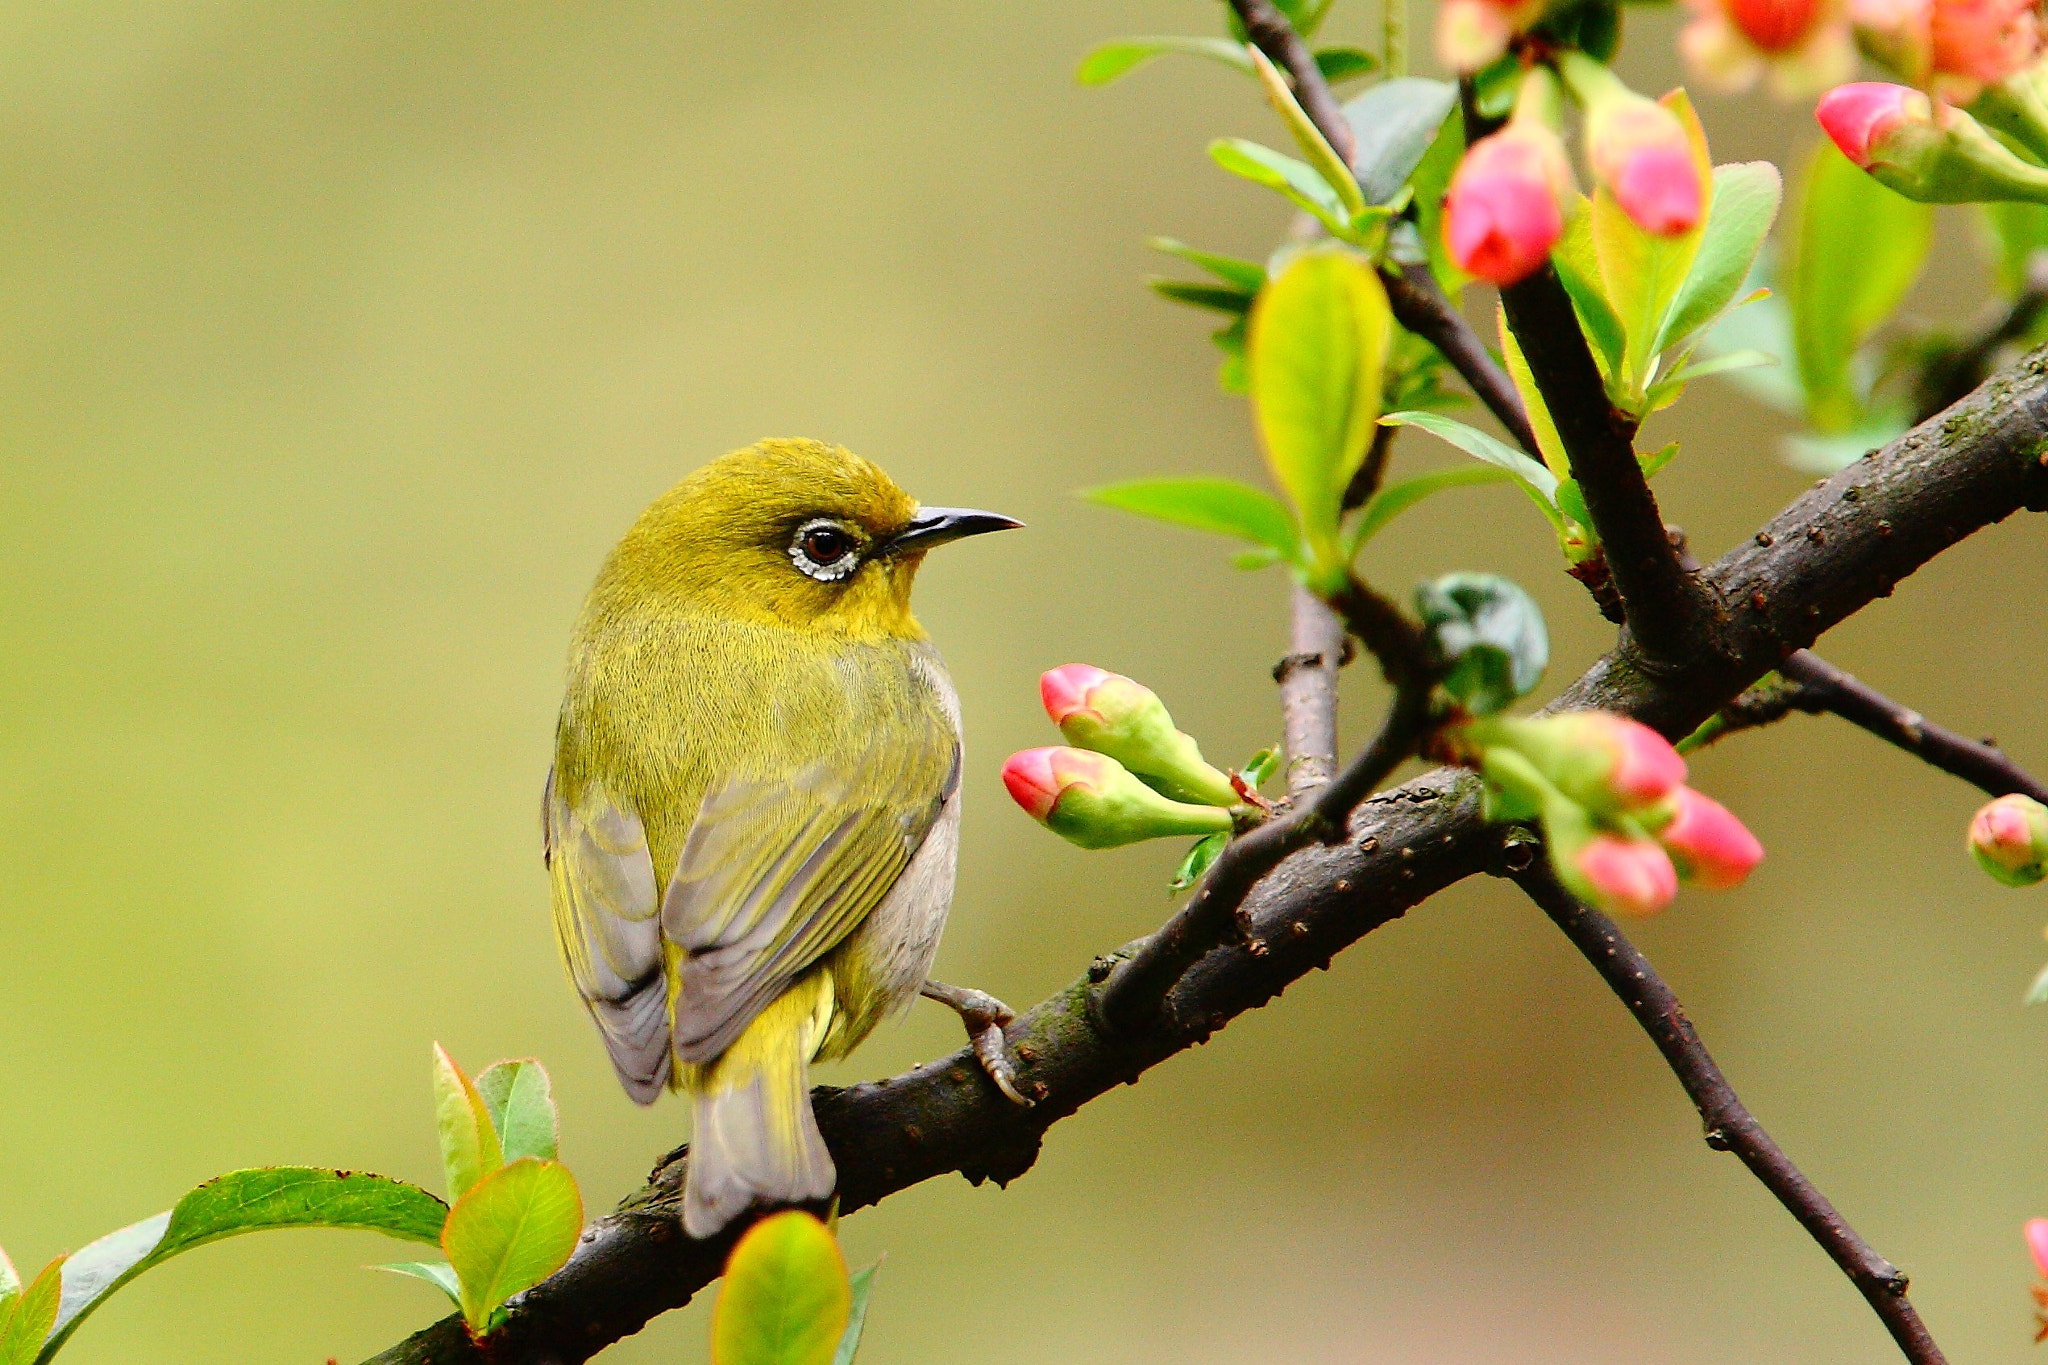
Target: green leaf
[(28, 1317), (1655, 461), (1571, 500), (239, 1202), (863, 1284), (1488, 635), (521, 1103), (1248, 276), (1641, 273), (1394, 124), (1531, 474), (1222, 298), (1222, 507), (1199, 857), (515, 1227), (1261, 766), (1113, 59), (1548, 442), (1430, 181), (1296, 181), (1345, 63), (439, 1274), (1666, 390), (1745, 205), (1320, 334), (1578, 266), (1858, 248), (786, 1298), (469, 1144), (1321, 155), (1231, 375), (2015, 232), (10, 1281), (1397, 497)]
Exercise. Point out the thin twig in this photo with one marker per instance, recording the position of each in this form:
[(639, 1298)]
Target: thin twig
[(1951, 378), (1879, 521), (1418, 301), (1131, 998), (1729, 1125), (1308, 692), (1806, 682)]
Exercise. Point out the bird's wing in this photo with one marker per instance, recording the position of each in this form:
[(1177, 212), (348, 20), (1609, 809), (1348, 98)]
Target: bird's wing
[(607, 921), (776, 872)]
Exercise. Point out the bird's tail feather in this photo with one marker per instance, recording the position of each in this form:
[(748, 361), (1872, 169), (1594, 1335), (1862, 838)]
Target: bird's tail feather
[(755, 1137)]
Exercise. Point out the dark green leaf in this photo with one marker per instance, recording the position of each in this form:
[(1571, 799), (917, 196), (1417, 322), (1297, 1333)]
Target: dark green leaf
[(1220, 506), (1489, 637), (862, 1284), (1497, 86), (1249, 276), (1113, 59), (1430, 181), (244, 1201), (521, 1103), (1197, 861), (439, 1274), (1222, 298), (786, 1299), (1345, 63), (1394, 123), (515, 1227)]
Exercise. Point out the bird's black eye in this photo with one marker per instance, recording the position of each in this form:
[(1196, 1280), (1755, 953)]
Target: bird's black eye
[(825, 550)]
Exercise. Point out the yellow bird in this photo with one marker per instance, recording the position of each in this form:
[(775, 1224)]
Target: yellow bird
[(753, 815)]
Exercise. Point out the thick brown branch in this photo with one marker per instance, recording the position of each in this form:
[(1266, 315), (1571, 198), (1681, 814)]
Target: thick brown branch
[(1811, 684), (1667, 612), (1730, 1127), (1825, 557)]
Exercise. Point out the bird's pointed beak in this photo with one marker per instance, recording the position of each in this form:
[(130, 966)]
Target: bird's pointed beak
[(934, 526)]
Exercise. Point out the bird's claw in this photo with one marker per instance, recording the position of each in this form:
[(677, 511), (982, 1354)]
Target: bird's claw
[(984, 1017)]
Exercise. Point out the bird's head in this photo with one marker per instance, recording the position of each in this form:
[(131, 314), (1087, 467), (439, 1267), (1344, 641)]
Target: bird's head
[(793, 532)]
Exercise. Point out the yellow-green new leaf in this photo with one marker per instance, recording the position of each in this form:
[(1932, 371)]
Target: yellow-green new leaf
[(469, 1142), (1307, 136), (1113, 59), (28, 1316), (1317, 356), (515, 1227), (786, 1298), (1642, 272), (10, 1282)]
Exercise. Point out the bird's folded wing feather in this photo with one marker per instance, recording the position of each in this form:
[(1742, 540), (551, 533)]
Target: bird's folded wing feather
[(608, 924), (775, 872)]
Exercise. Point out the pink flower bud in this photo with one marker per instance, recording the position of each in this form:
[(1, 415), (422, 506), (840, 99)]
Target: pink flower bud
[(1114, 715), (1775, 25), (1506, 205), (1606, 763), (1639, 150), (1863, 117), (2009, 838), (1628, 876), (1470, 34), (2037, 1242), (1092, 800), (1709, 845), (1978, 42)]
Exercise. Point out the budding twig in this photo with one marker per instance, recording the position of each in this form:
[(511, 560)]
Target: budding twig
[(1811, 684), (1418, 301), (1891, 513), (1730, 1127)]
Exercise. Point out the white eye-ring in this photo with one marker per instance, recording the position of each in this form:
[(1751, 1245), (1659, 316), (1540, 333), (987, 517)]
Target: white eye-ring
[(824, 549)]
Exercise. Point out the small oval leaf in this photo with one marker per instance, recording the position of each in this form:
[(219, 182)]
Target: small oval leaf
[(521, 1103), (786, 1298), (469, 1143), (1489, 637), (515, 1227)]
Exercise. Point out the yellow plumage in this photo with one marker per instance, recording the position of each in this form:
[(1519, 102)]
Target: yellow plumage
[(751, 820)]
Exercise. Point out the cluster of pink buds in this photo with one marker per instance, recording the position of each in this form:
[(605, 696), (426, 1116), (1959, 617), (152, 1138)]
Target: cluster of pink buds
[(1621, 825), (1133, 776), (1510, 198)]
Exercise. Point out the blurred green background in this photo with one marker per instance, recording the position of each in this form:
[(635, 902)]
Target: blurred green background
[(338, 343)]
